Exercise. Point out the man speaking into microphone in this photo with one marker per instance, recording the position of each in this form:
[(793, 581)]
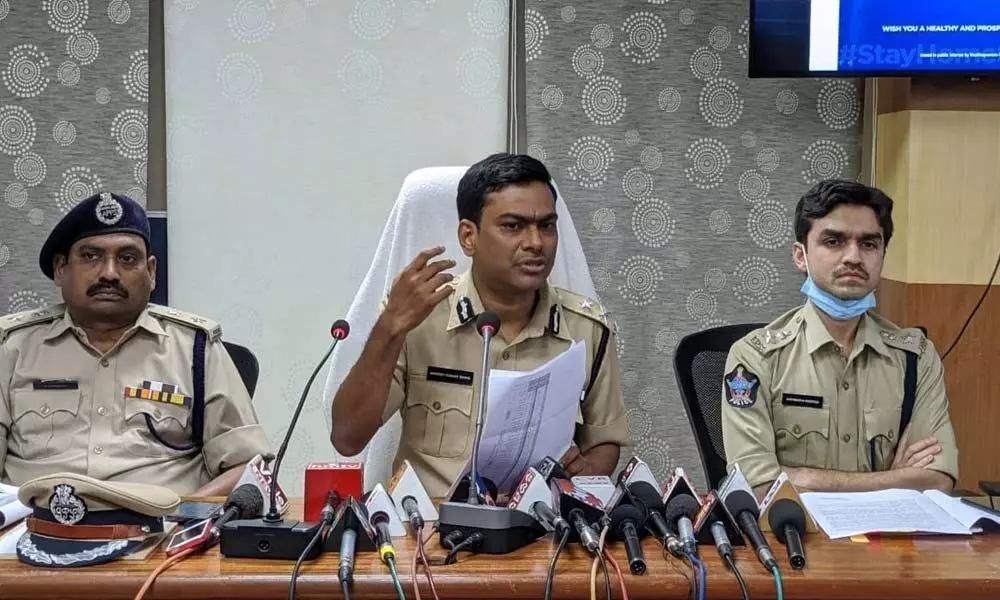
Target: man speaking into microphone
[(422, 357)]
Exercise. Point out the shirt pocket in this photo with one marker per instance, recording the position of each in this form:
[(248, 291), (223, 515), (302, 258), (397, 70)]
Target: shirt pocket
[(881, 433), (438, 418), (169, 420), (802, 436), (44, 422)]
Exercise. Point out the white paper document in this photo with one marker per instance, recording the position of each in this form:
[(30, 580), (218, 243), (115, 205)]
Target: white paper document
[(843, 515), (11, 510), (530, 415)]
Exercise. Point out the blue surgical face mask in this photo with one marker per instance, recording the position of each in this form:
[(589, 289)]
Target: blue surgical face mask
[(837, 308)]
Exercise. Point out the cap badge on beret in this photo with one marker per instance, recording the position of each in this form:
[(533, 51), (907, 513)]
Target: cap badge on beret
[(109, 210), (66, 506)]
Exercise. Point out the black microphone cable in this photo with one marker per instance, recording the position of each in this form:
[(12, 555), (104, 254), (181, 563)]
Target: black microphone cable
[(326, 518), (739, 576), (552, 563)]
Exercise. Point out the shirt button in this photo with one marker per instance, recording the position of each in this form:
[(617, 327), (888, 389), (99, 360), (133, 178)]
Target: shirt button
[(891, 434), (437, 406), (846, 437), (104, 362), (796, 430), (847, 386), (101, 411), (45, 409), (506, 354), (157, 414), (98, 450)]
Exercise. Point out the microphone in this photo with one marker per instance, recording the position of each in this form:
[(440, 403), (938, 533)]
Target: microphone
[(271, 537), (412, 501), (487, 324), (386, 551), (646, 494), (626, 519), (244, 502), (484, 528), (338, 331), (722, 543), (680, 511), (788, 522), (581, 509), (533, 496), (740, 502), (351, 533)]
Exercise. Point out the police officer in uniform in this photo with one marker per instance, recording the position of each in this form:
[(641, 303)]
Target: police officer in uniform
[(832, 393), (424, 353), (110, 386)]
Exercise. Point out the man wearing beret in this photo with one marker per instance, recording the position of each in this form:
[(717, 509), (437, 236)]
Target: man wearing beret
[(110, 386)]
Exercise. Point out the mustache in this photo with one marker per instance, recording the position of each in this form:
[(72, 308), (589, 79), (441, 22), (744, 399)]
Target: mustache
[(107, 286), (851, 271)]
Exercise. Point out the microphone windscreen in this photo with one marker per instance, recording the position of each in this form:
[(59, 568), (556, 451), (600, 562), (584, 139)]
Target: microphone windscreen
[(646, 494), (625, 512), (487, 320), (340, 329), (739, 501), (248, 500), (683, 505), (786, 512)]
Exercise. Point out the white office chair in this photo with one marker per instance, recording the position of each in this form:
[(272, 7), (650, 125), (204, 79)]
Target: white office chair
[(425, 215)]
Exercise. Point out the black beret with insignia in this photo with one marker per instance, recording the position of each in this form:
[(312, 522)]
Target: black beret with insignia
[(98, 215)]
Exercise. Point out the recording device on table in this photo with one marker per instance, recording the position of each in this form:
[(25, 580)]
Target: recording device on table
[(273, 537), (244, 502), (481, 527), (190, 511)]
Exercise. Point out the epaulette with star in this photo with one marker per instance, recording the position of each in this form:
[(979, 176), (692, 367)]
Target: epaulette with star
[(768, 340), (910, 340), (584, 306), (211, 328), (19, 320)]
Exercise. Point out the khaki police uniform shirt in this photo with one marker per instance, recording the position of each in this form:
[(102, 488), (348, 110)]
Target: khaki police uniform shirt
[(436, 381), (65, 407), (791, 398)]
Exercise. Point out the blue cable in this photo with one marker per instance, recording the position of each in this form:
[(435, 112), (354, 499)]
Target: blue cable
[(702, 575), (778, 585)]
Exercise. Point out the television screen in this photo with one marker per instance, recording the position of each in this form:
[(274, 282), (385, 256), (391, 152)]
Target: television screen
[(855, 38)]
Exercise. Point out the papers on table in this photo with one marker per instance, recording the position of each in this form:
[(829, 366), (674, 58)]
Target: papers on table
[(11, 511), (530, 415), (843, 515)]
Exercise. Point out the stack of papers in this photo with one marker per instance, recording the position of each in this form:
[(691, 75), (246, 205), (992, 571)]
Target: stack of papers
[(529, 415), (843, 515)]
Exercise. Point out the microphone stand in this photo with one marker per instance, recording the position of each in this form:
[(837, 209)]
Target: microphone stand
[(487, 331), (498, 529), (272, 537)]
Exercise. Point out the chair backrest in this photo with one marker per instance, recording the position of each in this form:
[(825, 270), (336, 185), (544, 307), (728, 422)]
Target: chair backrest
[(246, 364), (700, 365)]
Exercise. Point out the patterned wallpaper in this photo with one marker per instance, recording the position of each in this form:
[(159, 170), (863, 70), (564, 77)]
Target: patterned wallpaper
[(291, 125), (682, 175), (74, 83)]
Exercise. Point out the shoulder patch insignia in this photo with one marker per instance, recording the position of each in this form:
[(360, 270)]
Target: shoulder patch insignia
[(213, 329), (741, 387), (19, 320)]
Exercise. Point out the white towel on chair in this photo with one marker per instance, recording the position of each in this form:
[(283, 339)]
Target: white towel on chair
[(425, 215)]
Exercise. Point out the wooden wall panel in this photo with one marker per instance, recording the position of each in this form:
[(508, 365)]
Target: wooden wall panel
[(973, 389)]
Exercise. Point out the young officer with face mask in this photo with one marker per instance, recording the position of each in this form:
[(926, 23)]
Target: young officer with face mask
[(831, 393)]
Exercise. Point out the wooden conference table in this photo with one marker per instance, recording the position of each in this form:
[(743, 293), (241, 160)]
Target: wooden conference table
[(915, 569)]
